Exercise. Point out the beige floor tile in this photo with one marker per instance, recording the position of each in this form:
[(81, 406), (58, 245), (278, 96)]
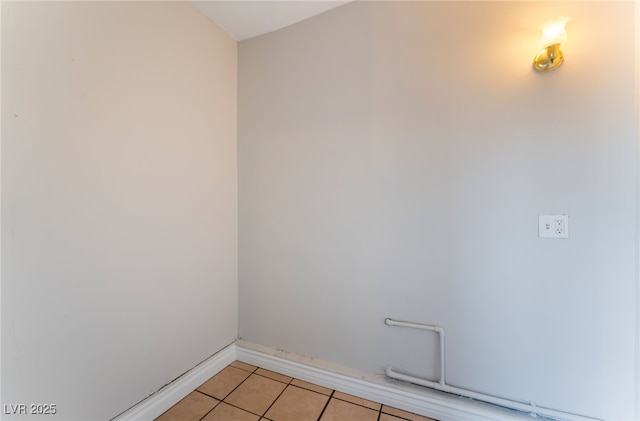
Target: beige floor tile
[(273, 375), (243, 366), (256, 394), (296, 404), (404, 414), (311, 386), (220, 385), (338, 410), (192, 408), (358, 401), (224, 412)]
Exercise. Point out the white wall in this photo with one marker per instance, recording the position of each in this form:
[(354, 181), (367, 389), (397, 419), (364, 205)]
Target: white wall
[(393, 160), (119, 201)]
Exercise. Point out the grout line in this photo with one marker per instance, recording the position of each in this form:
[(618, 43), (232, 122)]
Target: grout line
[(202, 393), (362, 406), (227, 395), (242, 409), (326, 405), (234, 389), (309, 390), (214, 407), (275, 400), (271, 378), (400, 417), (206, 394), (240, 368)]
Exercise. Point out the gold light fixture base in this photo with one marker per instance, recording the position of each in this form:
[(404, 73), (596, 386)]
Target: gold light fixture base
[(548, 59)]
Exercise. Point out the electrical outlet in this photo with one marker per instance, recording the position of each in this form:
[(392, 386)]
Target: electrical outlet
[(553, 226)]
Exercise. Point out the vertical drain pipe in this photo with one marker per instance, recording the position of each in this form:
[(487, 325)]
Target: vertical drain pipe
[(530, 408)]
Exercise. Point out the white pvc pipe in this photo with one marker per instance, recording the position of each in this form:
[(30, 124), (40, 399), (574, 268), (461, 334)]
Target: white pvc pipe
[(441, 385), (433, 328)]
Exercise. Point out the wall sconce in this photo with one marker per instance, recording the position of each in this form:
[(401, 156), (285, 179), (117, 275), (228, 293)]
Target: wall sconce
[(553, 34)]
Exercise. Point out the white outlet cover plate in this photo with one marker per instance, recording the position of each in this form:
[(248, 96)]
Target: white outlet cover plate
[(553, 226)]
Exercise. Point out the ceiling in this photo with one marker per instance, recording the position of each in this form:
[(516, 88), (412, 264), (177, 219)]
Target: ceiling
[(242, 19)]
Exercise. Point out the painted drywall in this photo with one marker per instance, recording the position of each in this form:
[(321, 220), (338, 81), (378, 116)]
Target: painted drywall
[(119, 201), (393, 160)]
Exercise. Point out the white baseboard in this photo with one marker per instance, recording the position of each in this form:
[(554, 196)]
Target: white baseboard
[(416, 399), (156, 404), (378, 388)]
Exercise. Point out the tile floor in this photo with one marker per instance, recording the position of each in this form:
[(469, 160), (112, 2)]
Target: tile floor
[(242, 392)]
